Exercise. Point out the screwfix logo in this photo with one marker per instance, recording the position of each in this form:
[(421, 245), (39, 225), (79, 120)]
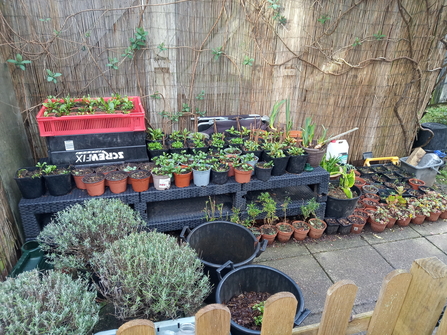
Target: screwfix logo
[(98, 155)]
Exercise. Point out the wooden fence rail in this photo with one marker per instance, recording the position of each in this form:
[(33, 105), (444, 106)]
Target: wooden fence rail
[(408, 303)]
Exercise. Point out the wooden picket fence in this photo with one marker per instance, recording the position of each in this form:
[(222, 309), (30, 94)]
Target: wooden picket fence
[(408, 303)]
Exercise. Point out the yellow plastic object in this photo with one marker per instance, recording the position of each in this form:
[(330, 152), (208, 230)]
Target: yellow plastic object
[(393, 159)]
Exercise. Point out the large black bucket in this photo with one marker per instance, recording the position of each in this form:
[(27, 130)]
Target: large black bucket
[(218, 242), (258, 278)]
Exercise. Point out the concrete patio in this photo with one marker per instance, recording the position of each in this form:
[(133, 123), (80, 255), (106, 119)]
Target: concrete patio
[(365, 258)]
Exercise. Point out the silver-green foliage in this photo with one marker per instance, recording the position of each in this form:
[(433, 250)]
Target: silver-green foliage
[(148, 275), (47, 303), (75, 233)]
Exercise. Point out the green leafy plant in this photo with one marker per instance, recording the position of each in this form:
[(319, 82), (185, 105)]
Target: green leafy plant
[(149, 275), (357, 42), (136, 43), (275, 112), (265, 165), (52, 76), (70, 239), (251, 145), (295, 151), (331, 165), (308, 134), (154, 134), (217, 52), (19, 62), (113, 63), (347, 180), (253, 212), (162, 47), (287, 201), (248, 61), (310, 208), (268, 207), (323, 19), (242, 166), (210, 213), (379, 36), (48, 169), (259, 307), (47, 303), (154, 146)]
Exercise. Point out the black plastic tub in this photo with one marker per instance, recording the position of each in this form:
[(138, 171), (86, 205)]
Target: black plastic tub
[(258, 278), (218, 242)]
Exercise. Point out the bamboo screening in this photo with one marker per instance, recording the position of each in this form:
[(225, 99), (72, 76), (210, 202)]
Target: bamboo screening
[(365, 64)]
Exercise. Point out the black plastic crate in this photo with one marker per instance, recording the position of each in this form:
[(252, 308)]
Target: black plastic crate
[(93, 141), (99, 155)]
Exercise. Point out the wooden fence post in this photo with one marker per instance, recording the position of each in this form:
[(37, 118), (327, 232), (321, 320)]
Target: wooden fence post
[(425, 298), (279, 314), (213, 319), (391, 297), (137, 327), (338, 308)]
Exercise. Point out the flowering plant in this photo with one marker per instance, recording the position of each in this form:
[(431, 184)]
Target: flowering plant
[(401, 212), (421, 206)]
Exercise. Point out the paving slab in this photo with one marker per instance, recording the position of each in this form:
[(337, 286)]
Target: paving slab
[(431, 228), (309, 276), (401, 254), (282, 250), (335, 242), (439, 241), (363, 265), (395, 233)]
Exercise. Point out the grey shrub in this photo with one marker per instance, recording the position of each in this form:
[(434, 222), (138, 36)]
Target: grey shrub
[(148, 275), (49, 303), (75, 233)]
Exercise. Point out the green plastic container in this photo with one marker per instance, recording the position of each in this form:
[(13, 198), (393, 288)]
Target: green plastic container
[(32, 258)]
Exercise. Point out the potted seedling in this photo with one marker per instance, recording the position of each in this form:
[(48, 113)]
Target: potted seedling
[(285, 230), (316, 225), (242, 172), (219, 173), (297, 159), (316, 148), (263, 170), (268, 230), (30, 181), (57, 179)]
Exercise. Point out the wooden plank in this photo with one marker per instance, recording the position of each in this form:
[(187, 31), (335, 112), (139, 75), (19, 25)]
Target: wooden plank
[(442, 329), (213, 319), (391, 297), (425, 298), (279, 314), (358, 324), (137, 327), (415, 156), (338, 308)]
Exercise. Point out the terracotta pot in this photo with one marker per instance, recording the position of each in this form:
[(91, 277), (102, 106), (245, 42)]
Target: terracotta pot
[(418, 219), (242, 177), (360, 182), (434, 216), (182, 180), (231, 170), (300, 234), (415, 183), (141, 183), (403, 222), (269, 237), (316, 232), (282, 235), (357, 227), (117, 181), (78, 178), (377, 226), (443, 215), (370, 212), (391, 222), (96, 187)]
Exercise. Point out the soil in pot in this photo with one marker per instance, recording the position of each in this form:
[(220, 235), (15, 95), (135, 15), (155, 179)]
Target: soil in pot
[(30, 187), (415, 183), (358, 222), (268, 233), (242, 311), (370, 189), (317, 227), (117, 181)]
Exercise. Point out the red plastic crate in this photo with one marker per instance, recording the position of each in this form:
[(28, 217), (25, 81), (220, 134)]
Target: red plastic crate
[(91, 124)]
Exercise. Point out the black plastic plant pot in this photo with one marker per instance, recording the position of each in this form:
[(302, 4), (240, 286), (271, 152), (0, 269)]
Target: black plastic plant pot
[(31, 188), (263, 174), (338, 208), (296, 163), (345, 226), (59, 184), (332, 226), (218, 242), (279, 164), (258, 278), (219, 177)]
